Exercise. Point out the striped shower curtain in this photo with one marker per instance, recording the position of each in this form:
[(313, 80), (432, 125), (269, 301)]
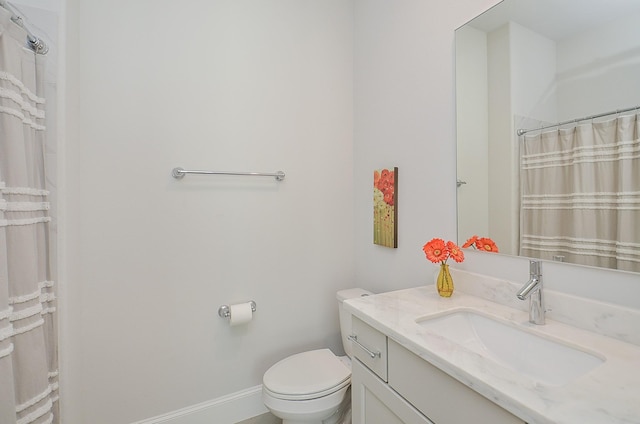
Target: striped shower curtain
[(28, 352), (581, 194)]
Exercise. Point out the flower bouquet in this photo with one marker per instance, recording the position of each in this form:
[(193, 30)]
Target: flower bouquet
[(439, 251), (481, 243)]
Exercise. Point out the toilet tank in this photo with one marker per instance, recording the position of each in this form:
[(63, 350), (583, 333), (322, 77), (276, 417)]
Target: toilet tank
[(345, 316)]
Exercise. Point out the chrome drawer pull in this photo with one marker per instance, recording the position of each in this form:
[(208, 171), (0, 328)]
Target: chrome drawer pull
[(373, 355)]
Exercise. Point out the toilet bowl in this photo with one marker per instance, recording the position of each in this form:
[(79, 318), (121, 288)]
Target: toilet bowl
[(308, 387), (313, 387)]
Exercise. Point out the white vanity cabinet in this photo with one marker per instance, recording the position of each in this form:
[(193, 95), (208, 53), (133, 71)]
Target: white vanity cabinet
[(391, 385), (373, 401)]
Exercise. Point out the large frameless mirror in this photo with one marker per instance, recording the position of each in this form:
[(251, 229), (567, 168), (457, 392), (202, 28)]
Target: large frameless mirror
[(567, 74)]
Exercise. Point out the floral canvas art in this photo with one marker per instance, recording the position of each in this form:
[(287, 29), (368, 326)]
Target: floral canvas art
[(385, 207)]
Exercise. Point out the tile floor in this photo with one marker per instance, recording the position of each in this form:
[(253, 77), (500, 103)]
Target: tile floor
[(262, 419)]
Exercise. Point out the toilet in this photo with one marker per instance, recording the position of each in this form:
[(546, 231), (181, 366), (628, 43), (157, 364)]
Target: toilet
[(313, 387)]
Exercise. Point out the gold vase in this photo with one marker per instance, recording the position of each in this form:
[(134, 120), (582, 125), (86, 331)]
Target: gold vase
[(444, 282)]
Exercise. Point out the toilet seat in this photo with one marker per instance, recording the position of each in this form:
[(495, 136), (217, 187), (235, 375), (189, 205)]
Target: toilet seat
[(307, 375)]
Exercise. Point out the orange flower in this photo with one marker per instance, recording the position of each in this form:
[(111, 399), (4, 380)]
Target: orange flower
[(487, 245), (455, 252), (481, 243), (470, 242), (439, 251), (436, 250)]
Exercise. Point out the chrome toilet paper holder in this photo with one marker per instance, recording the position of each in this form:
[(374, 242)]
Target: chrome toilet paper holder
[(225, 312)]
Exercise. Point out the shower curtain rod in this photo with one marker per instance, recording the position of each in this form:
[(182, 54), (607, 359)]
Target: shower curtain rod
[(35, 43), (586, 118)]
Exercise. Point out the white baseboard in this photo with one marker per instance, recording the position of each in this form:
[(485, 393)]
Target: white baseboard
[(228, 409)]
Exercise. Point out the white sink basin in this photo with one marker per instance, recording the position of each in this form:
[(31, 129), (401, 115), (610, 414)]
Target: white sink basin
[(543, 359)]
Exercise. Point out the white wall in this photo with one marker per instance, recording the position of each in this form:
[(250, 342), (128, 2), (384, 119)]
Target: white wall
[(472, 131), (585, 75), (533, 74), (404, 116), (505, 73), (500, 134), (325, 90), (522, 83), (240, 85)]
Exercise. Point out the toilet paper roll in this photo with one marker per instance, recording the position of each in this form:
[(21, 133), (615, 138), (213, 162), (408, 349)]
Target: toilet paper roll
[(240, 313)]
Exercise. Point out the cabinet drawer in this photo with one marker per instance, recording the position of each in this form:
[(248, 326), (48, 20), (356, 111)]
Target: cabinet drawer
[(440, 397), (370, 347)]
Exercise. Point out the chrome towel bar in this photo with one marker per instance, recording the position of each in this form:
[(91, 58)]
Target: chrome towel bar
[(179, 173)]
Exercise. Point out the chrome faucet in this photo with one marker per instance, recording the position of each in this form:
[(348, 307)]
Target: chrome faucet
[(533, 290)]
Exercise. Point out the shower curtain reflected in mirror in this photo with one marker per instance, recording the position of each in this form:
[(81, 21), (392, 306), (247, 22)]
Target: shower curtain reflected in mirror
[(28, 341), (580, 194)]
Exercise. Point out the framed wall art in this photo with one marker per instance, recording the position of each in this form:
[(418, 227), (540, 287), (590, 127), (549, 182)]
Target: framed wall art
[(385, 207)]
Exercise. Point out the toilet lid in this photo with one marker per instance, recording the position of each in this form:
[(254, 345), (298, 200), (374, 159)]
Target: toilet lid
[(307, 374)]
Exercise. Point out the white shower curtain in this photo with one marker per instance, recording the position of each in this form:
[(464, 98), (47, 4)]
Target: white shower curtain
[(28, 341), (581, 194)]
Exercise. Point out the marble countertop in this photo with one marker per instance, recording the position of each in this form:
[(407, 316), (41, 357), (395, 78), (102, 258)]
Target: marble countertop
[(609, 393)]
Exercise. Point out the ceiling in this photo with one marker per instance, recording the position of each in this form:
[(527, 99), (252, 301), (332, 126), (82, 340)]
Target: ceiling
[(555, 19)]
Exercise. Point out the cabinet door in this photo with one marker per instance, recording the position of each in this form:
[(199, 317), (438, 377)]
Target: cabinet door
[(373, 402), (439, 396)]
